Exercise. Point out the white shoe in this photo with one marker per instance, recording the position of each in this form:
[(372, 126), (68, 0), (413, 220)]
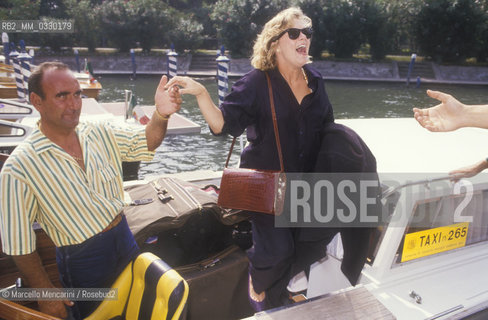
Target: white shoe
[(298, 283)]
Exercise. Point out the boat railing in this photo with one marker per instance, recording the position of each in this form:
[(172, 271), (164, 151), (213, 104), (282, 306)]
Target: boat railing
[(18, 111), (13, 131), (426, 182)]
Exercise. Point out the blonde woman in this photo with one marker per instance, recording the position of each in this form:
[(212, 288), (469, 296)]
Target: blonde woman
[(302, 109)]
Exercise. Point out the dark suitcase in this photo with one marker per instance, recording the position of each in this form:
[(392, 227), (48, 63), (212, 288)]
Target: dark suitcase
[(199, 240), (202, 236), (174, 202), (218, 286)]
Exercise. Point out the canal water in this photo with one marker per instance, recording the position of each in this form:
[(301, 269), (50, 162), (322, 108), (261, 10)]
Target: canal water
[(349, 100)]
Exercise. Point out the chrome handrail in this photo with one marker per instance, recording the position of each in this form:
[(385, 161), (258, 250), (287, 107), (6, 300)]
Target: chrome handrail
[(390, 190)]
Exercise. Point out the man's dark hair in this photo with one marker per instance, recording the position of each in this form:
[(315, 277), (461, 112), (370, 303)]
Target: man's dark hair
[(35, 80)]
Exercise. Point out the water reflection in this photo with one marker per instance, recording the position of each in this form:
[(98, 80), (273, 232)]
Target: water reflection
[(349, 100)]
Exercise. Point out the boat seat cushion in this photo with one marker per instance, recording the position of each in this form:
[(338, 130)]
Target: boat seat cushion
[(147, 289)]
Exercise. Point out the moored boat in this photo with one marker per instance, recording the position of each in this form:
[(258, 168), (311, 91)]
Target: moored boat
[(17, 121), (8, 87)]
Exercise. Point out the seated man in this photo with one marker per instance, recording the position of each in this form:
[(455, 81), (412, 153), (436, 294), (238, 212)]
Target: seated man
[(67, 176)]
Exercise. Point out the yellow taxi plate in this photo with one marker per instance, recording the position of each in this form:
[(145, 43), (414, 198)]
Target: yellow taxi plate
[(432, 241)]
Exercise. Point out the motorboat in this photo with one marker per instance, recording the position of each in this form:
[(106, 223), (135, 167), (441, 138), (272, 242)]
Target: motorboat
[(8, 88), (428, 256)]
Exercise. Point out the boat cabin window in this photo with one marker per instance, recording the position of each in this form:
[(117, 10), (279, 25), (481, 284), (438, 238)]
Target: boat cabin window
[(443, 224)]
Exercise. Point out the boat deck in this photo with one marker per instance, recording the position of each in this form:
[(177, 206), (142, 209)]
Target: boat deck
[(357, 303)]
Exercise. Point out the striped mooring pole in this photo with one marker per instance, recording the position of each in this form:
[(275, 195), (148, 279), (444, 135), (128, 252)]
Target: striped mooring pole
[(77, 60), (410, 67), (25, 63), (133, 61), (172, 61), (6, 50), (19, 79), (222, 74), (31, 54), (223, 81)]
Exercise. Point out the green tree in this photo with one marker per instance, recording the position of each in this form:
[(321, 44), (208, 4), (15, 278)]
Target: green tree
[(208, 33), (377, 29), (402, 14), (239, 21), (19, 9), (187, 5), (448, 30), (343, 23), (53, 9), (482, 43), (187, 33), (86, 22), (127, 23), (154, 21)]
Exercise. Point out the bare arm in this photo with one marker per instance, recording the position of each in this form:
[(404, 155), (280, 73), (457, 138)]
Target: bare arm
[(469, 171), (210, 111), (33, 272), (167, 102), (451, 114)]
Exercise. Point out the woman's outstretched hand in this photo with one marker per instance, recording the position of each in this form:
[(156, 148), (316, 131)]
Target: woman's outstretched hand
[(187, 85), (210, 111)]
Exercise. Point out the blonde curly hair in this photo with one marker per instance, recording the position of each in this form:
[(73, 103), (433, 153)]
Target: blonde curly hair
[(264, 50)]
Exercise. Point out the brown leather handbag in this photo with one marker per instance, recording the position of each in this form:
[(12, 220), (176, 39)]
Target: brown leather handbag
[(251, 189)]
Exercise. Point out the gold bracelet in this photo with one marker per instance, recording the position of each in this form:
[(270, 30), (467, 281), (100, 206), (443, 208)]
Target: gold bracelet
[(165, 118)]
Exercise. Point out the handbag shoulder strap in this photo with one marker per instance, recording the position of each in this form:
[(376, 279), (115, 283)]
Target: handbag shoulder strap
[(275, 127), (275, 123)]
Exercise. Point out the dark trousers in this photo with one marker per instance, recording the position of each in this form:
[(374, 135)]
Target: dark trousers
[(278, 254), (96, 263)]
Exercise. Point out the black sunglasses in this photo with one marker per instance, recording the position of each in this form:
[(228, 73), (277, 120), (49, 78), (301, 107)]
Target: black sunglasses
[(294, 33)]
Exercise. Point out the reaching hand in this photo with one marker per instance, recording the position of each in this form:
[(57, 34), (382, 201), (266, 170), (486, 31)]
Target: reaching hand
[(210, 111), (469, 171), (167, 98), (188, 85), (443, 117)]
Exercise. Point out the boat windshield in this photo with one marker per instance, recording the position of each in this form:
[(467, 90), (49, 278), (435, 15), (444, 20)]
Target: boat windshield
[(390, 201), (443, 224)]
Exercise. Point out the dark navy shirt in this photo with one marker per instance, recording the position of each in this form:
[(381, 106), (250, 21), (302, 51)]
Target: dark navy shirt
[(247, 106)]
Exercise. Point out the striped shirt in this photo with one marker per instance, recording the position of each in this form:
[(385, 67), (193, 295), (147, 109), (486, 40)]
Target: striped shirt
[(41, 182)]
